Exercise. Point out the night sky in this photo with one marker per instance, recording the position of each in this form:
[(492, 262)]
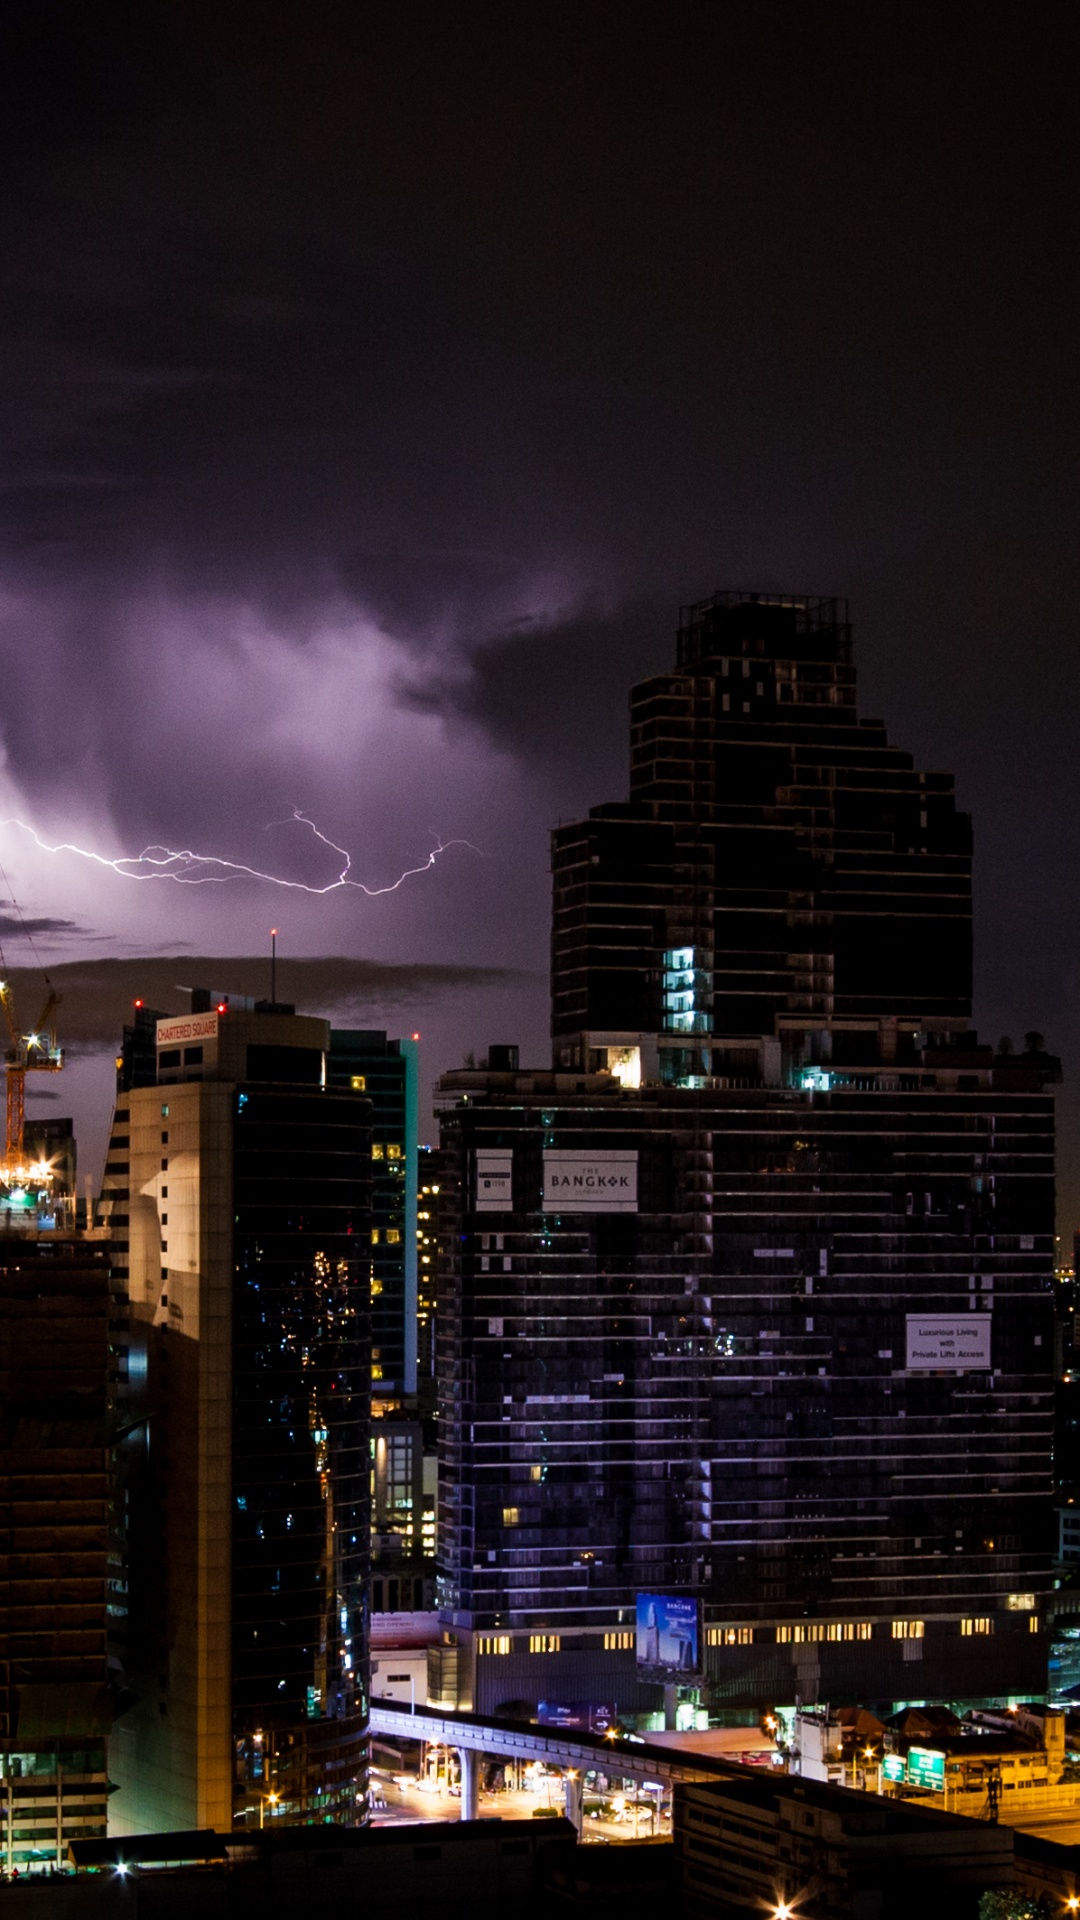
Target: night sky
[(379, 380)]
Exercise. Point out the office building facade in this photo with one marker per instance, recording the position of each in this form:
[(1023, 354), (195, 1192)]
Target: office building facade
[(237, 1194), (61, 1345), (747, 1301)]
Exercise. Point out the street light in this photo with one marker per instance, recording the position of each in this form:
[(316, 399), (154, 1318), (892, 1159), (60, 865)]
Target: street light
[(266, 1800)]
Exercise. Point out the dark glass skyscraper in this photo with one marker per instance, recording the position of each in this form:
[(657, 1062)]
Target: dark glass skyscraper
[(747, 1300), (387, 1073)]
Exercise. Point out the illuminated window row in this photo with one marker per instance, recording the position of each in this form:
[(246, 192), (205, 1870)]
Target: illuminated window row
[(982, 1624), (493, 1643), (391, 1235), (729, 1636), (544, 1642), (908, 1629), (618, 1642), (809, 1632)]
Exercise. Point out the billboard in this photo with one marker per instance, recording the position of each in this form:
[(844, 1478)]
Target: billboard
[(599, 1182), (947, 1340), (580, 1715), (668, 1636), (494, 1180)]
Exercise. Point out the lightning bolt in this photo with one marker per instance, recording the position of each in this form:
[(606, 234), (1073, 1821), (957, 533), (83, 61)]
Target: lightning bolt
[(189, 869)]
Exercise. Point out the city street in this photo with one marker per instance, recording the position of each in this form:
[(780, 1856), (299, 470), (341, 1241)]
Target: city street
[(408, 1801)]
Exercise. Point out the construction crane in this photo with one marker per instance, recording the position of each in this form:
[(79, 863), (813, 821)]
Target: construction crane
[(35, 1052)]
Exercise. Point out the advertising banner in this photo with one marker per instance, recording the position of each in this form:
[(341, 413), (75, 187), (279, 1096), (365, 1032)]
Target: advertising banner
[(600, 1182), (947, 1340), (668, 1636), (494, 1180)]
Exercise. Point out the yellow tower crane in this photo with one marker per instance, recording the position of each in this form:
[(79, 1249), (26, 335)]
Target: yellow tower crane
[(35, 1052)]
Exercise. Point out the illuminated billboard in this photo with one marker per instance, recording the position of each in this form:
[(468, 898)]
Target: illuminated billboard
[(668, 1636)]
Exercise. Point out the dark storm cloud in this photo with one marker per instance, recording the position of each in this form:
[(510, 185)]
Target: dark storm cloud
[(96, 996), (556, 690), (42, 925), (375, 383)]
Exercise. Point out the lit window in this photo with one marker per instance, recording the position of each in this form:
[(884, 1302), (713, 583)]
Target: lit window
[(393, 1237), (393, 1153), (511, 1516), (376, 1150), (376, 1373), (783, 1636), (493, 1643), (374, 1236), (1020, 1602), (980, 1625), (358, 1083), (1033, 1623), (730, 1636), (908, 1629), (618, 1642), (863, 1630), (544, 1643)]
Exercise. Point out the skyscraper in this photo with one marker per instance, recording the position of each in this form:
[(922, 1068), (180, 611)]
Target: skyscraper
[(746, 1301), (386, 1071), (237, 1193)]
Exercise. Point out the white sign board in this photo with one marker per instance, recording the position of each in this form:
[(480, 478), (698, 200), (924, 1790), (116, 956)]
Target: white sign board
[(947, 1340), (590, 1182), (187, 1026), (494, 1180)]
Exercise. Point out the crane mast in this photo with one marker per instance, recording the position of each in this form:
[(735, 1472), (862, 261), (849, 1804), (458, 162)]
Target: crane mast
[(34, 1052)]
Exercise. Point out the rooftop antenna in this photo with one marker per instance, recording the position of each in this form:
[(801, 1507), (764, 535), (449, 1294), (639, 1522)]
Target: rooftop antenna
[(273, 966)]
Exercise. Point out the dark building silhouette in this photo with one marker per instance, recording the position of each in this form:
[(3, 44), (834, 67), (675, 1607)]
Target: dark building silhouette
[(748, 1299), (386, 1072), (60, 1583)]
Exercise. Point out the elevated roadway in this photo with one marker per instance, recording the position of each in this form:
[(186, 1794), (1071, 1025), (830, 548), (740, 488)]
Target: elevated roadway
[(474, 1734)]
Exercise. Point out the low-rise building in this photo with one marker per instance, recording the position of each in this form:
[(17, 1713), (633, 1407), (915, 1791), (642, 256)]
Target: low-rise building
[(765, 1843)]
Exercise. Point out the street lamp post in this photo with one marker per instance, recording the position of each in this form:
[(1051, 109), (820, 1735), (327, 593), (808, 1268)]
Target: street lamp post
[(265, 1800)]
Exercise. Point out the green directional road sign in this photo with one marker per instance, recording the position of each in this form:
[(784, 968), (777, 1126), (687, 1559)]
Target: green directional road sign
[(925, 1768)]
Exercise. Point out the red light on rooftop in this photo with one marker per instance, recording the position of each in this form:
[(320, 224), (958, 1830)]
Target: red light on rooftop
[(416, 1036), (223, 1006), (138, 1003)]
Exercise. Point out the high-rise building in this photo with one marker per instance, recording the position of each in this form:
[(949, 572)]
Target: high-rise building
[(387, 1073), (745, 1305), (60, 1357), (237, 1194)]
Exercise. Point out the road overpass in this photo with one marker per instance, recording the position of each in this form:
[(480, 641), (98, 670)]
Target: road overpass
[(579, 1753)]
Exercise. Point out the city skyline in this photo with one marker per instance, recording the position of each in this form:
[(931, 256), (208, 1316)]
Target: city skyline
[(376, 396)]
